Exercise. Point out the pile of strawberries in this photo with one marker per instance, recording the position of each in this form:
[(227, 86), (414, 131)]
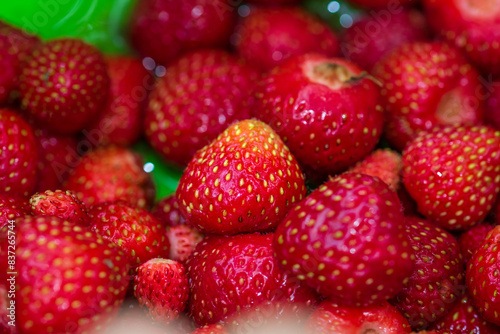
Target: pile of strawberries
[(334, 182)]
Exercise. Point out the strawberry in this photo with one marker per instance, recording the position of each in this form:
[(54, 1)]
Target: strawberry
[(453, 173), (57, 154), (293, 32), (331, 317), (463, 318), (183, 240), (437, 281), (70, 280), (384, 164), (162, 286), (314, 104), (108, 174), (64, 84), (135, 230), (18, 155), (199, 97), (244, 181), (425, 85), (482, 278), (229, 275), (7, 312), (12, 207), (372, 37), (492, 95), (470, 240), (15, 46), (382, 4), (164, 29), (211, 329), (120, 121), (471, 26), (168, 213), (346, 240), (62, 204)]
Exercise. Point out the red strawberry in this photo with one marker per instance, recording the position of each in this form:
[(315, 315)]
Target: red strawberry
[(62, 204), (293, 32), (168, 213), (463, 318), (437, 281), (370, 38), (8, 311), (120, 121), (231, 275), (326, 111), (18, 155), (384, 164), (70, 280), (164, 29), (331, 317), (199, 97), (162, 287), (471, 26), (135, 230), (64, 84), (346, 240), (470, 240), (183, 240), (483, 281), (12, 207), (211, 329), (244, 181), (492, 114), (15, 45), (453, 173), (383, 4), (109, 174), (57, 155), (427, 84)]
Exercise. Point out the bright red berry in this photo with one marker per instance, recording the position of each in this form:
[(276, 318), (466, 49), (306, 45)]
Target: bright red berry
[(62, 204), (12, 207), (201, 94), (162, 287), (18, 155), (347, 241), (135, 230), (470, 240), (64, 84), (244, 181), (453, 173), (425, 85), (293, 32), (437, 281), (325, 110)]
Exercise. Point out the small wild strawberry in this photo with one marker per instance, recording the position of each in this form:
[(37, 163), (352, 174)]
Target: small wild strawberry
[(62, 204)]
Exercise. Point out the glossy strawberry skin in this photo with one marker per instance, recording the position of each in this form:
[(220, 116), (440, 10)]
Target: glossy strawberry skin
[(160, 25), (168, 213), (201, 94), (244, 181), (370, 38), (293, 32), (314, 104), (482, 279), (453, 173), (330, 317), (12, 207), (471, 239), (233, 274), (162, 287), (345, 240), (463, 318), (64, 85), (71, 279), (120, 121), (437, 281), (18, 157), (62, 204), (108, 174), (426, 85), (135, 230), (472, 27)]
